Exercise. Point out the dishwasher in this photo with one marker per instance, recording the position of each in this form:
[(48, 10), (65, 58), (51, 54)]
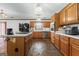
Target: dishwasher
[(45, 34)]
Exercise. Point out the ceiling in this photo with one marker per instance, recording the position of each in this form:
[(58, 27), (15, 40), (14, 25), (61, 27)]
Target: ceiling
[(26, 10)]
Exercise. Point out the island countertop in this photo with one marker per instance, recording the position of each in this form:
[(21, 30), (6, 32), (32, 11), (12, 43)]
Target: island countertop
[(16, 35)]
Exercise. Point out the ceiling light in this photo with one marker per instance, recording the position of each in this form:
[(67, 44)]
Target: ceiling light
[(3, 15)]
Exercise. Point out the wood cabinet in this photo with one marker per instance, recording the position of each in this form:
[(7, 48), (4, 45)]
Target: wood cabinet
[(68, 46), (57, 41), (64, 45), (46, 24), (49, 35), (52, 37), (37, 35), (74, 47), (69, 14), (56, 18), (28, 43), (72, 13), (62, 17), (15, 46), (18, 46), (41, 35), (32, 24)]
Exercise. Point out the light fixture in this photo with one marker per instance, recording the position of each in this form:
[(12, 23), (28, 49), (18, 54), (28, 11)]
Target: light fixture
[(38, 7), (38, 11), (3, 15)]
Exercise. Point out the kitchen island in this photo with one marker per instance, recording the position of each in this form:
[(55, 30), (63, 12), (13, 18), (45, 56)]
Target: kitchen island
[(18, 44)]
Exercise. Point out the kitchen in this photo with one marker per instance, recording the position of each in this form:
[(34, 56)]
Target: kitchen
[(39, 29)]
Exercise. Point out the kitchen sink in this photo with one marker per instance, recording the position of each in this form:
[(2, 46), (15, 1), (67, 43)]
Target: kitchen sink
[(22, 32)]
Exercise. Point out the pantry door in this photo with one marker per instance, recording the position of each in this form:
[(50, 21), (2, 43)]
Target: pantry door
[(2, 39)]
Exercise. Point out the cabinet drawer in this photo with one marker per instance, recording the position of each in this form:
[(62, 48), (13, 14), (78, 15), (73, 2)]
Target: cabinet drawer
[(75, 50), (74, 41), (56, 36), (65, 38)]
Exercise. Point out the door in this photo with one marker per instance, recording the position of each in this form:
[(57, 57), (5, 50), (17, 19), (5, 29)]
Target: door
[(2, 40)]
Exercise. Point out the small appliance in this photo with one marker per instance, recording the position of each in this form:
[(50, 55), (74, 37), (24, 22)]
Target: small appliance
[(9, 31)]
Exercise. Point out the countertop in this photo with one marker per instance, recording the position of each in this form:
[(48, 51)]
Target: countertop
[(16, 35), (44, 29), (60, 33), (23, 35)]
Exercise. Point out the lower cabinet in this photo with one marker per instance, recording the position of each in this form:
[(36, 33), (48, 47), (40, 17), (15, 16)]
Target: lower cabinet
[(68, 46), (37, 35), (74, 47), (28, 43), (15, 46), (41, 35), (56, 41), (52, 37), (64, 45), (18, 46)]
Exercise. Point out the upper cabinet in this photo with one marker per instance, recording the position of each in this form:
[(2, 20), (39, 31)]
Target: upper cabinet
[(56, 18), (46, 24), (62, 17), (70, 14), (32, 23)]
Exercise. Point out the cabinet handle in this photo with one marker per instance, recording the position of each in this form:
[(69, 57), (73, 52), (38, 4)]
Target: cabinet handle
[(16, 49), (7, 39)]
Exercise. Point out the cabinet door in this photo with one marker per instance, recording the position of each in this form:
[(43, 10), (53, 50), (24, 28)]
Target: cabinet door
[(64, 47), (19, 46), (72, 14), (46, 24), (35, 35), (56, 41), (49, 35), (40, 35), (11, 46), (26, 45), (74, 47), (52, 37), (15, 46), (74, 50), (62, 17), (32, 24)]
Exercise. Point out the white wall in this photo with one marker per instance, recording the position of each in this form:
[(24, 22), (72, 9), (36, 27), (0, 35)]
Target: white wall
[(14, 24)]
